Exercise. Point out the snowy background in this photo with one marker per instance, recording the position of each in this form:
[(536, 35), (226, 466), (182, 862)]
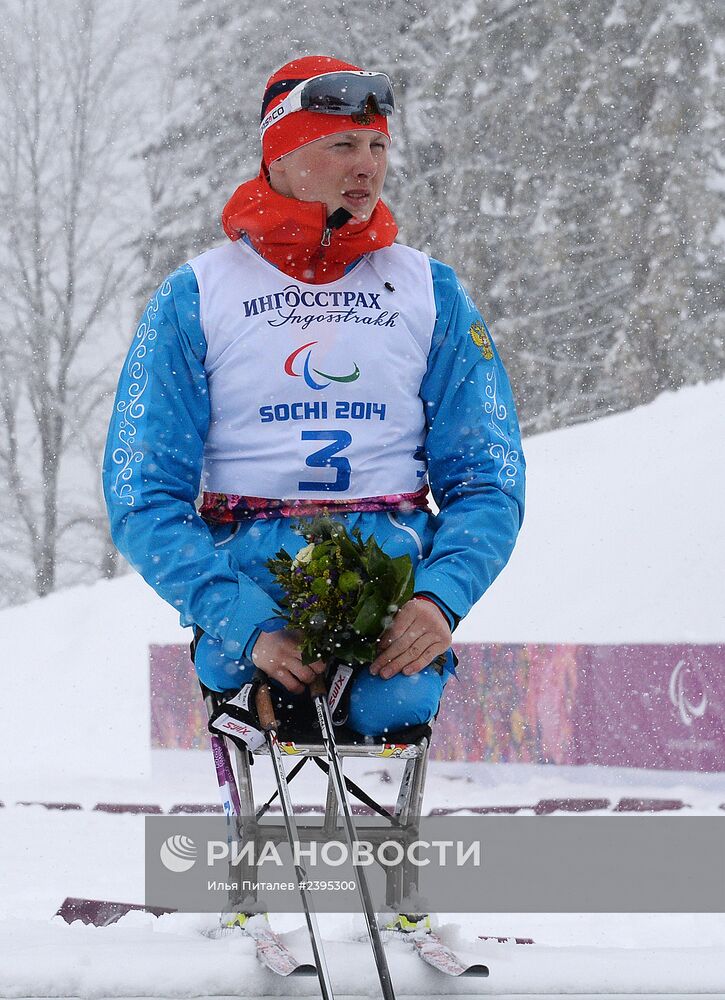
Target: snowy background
[(83, 738), (566, 157)]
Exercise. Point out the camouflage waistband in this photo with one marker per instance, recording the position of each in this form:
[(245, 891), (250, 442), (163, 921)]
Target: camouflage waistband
[(226, 508)]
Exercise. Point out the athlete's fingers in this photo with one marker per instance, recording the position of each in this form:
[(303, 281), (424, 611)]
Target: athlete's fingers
[(412, 660), (285, 678), (415, 621)]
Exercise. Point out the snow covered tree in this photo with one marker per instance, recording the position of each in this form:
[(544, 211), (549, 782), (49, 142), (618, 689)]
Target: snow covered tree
[(66, 254), (586, 151), (676, 325)]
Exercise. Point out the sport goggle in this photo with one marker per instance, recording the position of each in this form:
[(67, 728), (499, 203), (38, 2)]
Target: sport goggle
[(340, 93)]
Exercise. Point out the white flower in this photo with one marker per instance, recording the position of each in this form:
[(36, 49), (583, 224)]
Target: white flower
[(304, 555)]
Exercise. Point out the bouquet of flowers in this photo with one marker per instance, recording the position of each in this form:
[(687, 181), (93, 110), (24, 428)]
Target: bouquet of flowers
[(340, 593)]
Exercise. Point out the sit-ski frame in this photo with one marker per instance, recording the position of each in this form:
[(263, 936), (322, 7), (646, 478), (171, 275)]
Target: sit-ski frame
[(401, 880)]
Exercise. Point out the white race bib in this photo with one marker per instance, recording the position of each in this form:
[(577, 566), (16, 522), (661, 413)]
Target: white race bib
[(314, 389)]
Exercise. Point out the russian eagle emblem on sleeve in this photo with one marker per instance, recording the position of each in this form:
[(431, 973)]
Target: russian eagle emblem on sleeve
[(480, 337)]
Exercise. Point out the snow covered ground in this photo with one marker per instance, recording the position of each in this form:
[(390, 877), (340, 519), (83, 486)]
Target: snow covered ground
[(50, 854), (624, 542), (624, 535)]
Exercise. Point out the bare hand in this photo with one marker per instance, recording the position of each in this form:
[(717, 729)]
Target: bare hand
[(419, 632), (278, 655)]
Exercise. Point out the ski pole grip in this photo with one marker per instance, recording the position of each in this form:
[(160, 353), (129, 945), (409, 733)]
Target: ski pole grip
[(318, 687), (265, 711)]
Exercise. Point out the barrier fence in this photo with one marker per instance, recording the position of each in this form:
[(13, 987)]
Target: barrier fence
[(657, 706)]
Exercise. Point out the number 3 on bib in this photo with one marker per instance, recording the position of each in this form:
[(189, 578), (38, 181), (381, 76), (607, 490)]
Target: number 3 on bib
[(323, 459)]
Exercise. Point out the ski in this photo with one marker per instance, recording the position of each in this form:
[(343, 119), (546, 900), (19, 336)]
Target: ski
[(273, 953), (433, 951), (416, 930), (271, 950)]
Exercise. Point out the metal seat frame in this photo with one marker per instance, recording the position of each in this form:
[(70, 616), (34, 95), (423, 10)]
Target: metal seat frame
[(401, 880)]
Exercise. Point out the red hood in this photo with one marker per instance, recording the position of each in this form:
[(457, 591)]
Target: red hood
[(288, 233)]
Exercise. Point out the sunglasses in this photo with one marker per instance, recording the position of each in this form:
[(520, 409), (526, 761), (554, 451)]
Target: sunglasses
[(341, 93)]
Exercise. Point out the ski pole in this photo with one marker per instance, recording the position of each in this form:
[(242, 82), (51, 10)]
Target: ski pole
[(226, 781), (318, 691), (225, 777), (265, 712)]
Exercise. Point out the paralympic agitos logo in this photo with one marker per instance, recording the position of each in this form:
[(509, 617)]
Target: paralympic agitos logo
[(307, 369)]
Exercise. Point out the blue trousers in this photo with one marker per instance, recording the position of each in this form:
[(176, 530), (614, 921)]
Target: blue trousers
[(376, 705)]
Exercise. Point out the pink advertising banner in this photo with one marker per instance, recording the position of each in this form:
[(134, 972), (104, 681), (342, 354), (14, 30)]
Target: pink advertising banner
[(660, 706)]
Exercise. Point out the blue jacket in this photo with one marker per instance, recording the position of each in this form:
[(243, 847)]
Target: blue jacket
[(153, 459)]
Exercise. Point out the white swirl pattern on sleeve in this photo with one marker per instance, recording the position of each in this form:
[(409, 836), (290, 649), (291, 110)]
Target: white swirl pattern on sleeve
[(131, 408), (500, 450)]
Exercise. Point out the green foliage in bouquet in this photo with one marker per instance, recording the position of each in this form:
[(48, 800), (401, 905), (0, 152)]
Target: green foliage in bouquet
[(340, 593)]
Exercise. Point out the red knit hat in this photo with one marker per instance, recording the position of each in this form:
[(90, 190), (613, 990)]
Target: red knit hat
[(295, 130)]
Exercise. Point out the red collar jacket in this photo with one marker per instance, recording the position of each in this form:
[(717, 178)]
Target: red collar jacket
[(289, 233)]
